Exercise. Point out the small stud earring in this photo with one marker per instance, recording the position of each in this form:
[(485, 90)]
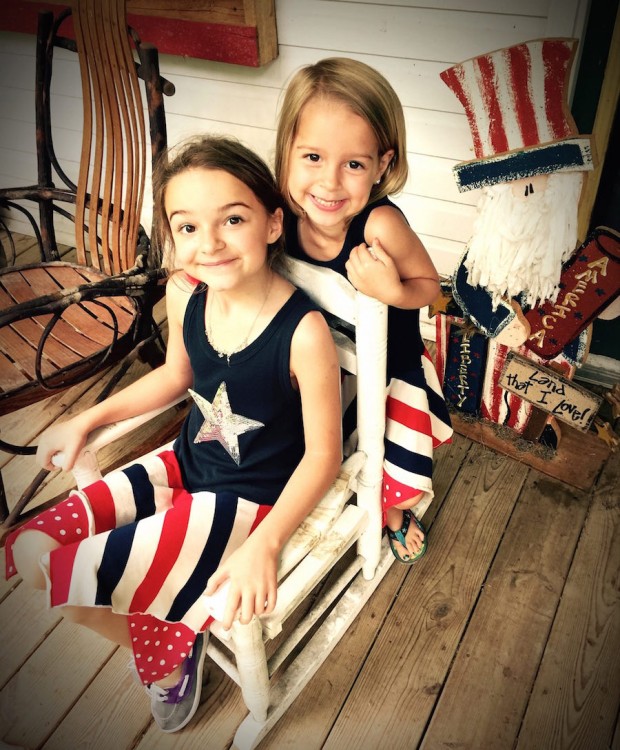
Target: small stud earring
[(377, 182)]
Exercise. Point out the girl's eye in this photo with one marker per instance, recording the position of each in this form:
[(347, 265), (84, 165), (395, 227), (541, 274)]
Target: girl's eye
[(355, 165), (186, 229), (312, 157), (234, 220)]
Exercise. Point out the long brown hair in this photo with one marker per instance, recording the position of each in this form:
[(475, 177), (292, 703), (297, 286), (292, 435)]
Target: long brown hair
[(213, 152)]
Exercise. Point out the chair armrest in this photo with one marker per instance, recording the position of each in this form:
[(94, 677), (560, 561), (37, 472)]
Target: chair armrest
[(86, 469), (107, 434), (130, 283), (330, 290), (310, 534)]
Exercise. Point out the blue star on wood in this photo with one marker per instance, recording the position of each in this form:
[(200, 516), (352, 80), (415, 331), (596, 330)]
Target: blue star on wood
[(221, 423)]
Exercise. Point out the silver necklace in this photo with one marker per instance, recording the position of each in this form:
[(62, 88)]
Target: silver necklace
[(209, 330)]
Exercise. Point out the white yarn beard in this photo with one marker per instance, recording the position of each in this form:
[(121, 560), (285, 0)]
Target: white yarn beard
[(520, 242)]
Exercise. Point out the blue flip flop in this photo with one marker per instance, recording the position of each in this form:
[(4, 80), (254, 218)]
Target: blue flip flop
[(399, 536)]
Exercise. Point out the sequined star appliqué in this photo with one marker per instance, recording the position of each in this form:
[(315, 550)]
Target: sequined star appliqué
[(221, 423)]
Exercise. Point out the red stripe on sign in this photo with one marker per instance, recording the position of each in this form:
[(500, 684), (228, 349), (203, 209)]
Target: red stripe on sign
[(206, 41), (169, 546), (516, 407), (556, 57), (441, 333), (22, 16), (497, 132), (520, 77), (491, 396), (454, 81)]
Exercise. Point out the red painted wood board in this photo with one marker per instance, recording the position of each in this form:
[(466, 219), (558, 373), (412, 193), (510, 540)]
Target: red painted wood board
[(238, 44)]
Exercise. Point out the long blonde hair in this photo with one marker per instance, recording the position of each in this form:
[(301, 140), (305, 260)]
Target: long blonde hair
[(367, 93)]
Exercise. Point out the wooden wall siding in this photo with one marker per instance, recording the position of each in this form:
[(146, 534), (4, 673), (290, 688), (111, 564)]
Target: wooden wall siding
[(410, 43)]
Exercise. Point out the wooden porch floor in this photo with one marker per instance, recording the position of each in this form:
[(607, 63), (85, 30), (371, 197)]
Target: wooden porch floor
[(506, 635)]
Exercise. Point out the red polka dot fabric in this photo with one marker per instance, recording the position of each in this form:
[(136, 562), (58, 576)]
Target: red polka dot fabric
[(158, 646), (66, 522)]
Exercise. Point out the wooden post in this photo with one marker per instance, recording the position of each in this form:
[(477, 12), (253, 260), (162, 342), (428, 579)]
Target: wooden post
[(606, 110)]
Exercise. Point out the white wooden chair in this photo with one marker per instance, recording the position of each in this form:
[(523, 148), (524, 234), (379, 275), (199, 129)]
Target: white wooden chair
[(349, 514)]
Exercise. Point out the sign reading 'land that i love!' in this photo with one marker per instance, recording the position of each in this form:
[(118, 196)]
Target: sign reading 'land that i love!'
[(549, 391)]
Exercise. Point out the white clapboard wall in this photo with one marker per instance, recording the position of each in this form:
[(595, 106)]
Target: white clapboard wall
[(409, 41)]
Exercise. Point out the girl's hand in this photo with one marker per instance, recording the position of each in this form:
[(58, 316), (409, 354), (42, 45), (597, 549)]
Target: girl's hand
[(67, 438), (251, 571), (371, 270)]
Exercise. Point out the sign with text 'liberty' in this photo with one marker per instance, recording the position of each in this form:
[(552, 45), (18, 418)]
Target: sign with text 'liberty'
[(549, 391)]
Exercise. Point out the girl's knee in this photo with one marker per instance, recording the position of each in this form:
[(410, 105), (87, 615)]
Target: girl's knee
[(77, 615), (28, 549)]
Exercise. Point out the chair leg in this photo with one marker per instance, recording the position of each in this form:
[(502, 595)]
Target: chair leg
[(4, 508), (25, 498), (252, 665), (151, 351), (298, 674), (369, 543)]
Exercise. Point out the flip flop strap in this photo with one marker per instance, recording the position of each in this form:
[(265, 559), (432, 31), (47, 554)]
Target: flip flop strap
[(399, 535)]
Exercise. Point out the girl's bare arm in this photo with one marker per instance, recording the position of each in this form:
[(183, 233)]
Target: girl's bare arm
[(397, 268), (155, 389)]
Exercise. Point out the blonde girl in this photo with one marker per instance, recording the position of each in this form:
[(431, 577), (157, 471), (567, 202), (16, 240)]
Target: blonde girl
[(340, 154)]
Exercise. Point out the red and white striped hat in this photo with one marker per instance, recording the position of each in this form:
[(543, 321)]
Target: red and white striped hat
[(515, 102)]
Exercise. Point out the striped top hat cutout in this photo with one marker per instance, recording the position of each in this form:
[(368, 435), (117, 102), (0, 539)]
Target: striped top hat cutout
[(516, 103)]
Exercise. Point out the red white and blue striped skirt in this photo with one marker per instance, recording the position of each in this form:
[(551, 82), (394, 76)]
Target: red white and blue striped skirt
[(417, 422), (140, 544)]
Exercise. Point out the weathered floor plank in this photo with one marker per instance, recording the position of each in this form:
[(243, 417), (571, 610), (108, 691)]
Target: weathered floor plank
[(397, 688), (575, 699), (499, 655), (309, 720), (111, 712), (26, 623), (50, 682), (388, 670), (615, 743)]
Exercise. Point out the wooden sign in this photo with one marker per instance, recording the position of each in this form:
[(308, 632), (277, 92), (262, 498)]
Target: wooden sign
[(549, 391), (590, 282), (464, 368), (242, 32)]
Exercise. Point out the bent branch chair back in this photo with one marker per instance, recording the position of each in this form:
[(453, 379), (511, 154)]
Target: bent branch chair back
[(63, 322)]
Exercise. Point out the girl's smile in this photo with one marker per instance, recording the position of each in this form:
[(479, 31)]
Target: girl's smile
[(327, 205), (217, 264)]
